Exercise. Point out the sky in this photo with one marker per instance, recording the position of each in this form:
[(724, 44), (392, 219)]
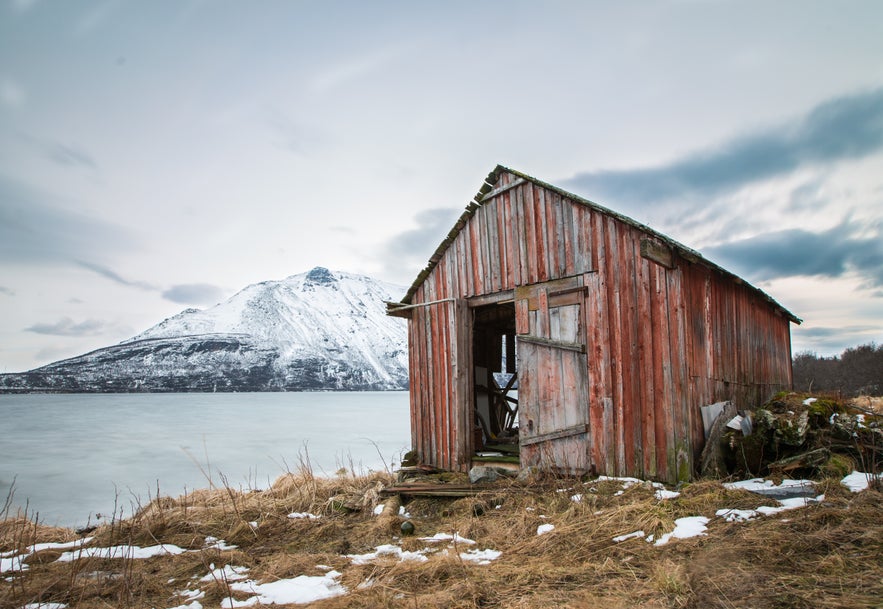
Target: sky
[(161, 155)]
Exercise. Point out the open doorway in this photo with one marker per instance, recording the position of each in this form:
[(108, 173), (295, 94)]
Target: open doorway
[(495, 382)]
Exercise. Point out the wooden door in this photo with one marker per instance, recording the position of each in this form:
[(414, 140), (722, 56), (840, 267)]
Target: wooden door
[(553, 387)]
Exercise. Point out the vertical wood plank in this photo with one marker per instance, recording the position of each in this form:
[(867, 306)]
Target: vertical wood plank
[(645, 355), (539, 210), (532, 251), (523, 237)]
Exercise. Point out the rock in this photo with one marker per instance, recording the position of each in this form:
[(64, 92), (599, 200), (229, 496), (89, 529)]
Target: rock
[(526, 474), (483, 473), (407, 528), (712, 460)]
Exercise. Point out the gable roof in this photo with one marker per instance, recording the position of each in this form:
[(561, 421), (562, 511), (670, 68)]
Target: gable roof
[(488, 186)]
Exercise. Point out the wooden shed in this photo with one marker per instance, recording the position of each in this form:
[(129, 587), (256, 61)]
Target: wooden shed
[(580, 338)]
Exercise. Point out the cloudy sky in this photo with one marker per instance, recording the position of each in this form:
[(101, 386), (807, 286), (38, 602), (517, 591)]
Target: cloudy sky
[(156, 155)]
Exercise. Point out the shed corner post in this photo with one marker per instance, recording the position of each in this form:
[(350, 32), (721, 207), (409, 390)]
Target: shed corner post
[(462, 385)]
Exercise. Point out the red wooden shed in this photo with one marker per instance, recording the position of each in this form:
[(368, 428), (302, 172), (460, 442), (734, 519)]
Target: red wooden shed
[(581, 338)]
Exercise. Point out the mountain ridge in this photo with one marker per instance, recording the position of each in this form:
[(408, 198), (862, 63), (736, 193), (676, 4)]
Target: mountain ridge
[(319, 330)]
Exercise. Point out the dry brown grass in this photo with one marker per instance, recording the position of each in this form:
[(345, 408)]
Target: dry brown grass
[(829, 555), (873, 403)]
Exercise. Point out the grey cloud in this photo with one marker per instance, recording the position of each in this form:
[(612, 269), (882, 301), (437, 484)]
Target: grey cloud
[(843, 128), (114, 276), (806, 197), (66, 155), (799, 252), (70, 156), (6, 291), (404, 254), (833, 340), (67, 327), (194, 293), (35, 228), (432, 225), (825, 332), (298, 138)]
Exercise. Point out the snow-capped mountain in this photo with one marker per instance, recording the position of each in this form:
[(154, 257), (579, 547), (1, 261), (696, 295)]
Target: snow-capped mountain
[(320, 330)]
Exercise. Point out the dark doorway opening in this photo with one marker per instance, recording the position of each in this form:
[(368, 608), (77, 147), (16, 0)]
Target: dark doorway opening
[(495, 382)]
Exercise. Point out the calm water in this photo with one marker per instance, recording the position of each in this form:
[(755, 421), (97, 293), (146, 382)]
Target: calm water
[(75, 456)]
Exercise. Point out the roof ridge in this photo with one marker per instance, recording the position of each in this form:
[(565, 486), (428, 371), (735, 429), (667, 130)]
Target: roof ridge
[(487, 186)]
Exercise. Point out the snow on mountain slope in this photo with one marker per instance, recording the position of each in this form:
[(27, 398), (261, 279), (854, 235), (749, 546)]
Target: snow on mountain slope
[(336, 315), (311, 331)]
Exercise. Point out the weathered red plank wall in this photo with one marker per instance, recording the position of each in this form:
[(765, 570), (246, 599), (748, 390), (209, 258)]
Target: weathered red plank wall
[(661, 341)]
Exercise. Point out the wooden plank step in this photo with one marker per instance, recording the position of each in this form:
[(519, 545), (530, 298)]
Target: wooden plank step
[(434, 490)]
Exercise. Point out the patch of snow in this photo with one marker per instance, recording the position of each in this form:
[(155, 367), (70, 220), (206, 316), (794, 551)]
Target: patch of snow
[(620, 538), (44, 606), (227, 573), (128, 552), (690, 526), (213, 543), (298, 515), (387, 551), (809, 401), (859, 481), (191, 595), (403, 512), (756, 484), (455, 538), (792, 503), (545, 528), (298, 590), (378, 509), (735, 515), (481, 557), (576, 498), (629, 482), (37, 547), (15, 563), (662, 494)]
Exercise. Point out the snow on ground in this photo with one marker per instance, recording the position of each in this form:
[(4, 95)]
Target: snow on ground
[(629, 482), (213, 543), (15, 561), (307, 589), (299, 590), (129, 552), (303, 515), (395, 552), (388, 551), (226, 573), (481, 557), (545, 528), (662, 494), (760, 484), (619, 538), (859, 481), (690, 526), (793, 503), (455, 538)]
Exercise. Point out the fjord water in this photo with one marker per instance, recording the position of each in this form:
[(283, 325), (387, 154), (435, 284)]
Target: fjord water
[(74, 456)]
